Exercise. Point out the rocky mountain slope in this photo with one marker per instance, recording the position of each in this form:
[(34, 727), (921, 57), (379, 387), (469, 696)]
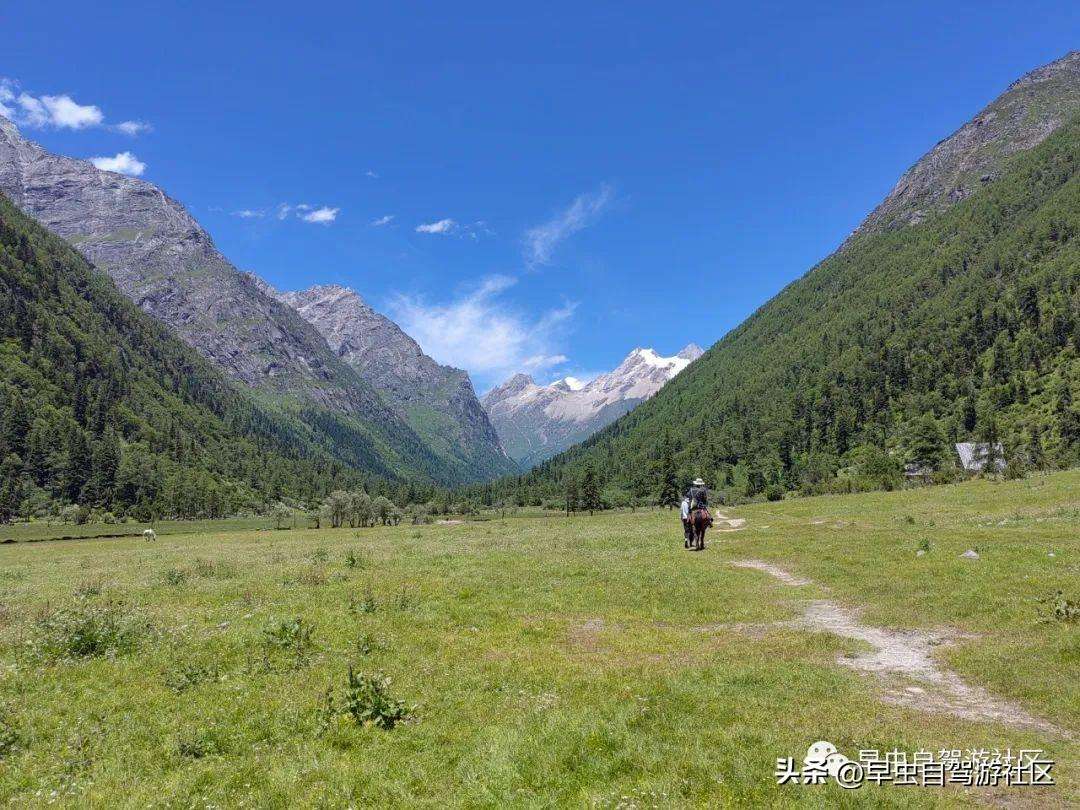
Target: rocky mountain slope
[(102, 405), (952, 316), (536, 422), (437, 401), (1022, 117), (162, 259)]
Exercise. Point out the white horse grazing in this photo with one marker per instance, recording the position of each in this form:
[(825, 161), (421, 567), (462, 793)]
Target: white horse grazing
[(149, 534)]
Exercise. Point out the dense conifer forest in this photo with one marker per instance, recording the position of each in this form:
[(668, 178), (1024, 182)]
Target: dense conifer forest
[(103, 409), (963, 327)]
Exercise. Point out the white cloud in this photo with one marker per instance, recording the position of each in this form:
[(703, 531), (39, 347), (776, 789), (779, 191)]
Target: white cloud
[(133, 128), (386, 220), (482, 333), (443, 226), (372, 175), (7, 95), (283, 210), (57, 112), (61, 112), (249, 213), (123, 163), (542, 240), (320, 216)]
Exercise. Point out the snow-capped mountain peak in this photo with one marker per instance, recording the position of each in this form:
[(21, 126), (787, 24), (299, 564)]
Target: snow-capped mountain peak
[(534, 422)]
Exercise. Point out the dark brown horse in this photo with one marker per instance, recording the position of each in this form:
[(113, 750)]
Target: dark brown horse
[(700, 520)]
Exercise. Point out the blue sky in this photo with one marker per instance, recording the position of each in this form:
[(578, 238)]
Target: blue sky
[(522, 183)]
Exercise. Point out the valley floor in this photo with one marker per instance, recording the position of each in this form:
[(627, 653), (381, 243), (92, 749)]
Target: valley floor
[(550, 662)]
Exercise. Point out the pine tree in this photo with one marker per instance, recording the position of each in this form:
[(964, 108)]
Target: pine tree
[(926, 444), (669, 482), (590, 492), (571, 494)]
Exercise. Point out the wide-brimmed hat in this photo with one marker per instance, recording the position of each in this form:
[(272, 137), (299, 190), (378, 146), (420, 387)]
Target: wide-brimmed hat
[(698, 482)]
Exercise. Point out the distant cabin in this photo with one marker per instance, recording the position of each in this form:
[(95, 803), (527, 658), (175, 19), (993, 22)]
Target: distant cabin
[(973, 456)]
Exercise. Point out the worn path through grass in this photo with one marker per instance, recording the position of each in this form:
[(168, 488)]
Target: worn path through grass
[(551, 662)]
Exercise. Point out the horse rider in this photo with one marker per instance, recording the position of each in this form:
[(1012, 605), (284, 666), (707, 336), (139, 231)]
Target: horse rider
[(698, 496)]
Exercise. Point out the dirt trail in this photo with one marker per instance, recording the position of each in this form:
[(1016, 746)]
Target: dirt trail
[(904, 662)]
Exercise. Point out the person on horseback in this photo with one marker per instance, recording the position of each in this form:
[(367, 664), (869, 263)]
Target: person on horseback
[(698, 495), (700, 519)]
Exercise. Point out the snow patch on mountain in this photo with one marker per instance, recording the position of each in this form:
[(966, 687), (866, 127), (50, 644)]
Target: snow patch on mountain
[(535, 422)]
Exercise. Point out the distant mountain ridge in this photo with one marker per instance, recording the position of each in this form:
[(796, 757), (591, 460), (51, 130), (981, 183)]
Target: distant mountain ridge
[(103, 405), (950, 315), (1020, 118), (163, 260), (535, 422), (437, 401)]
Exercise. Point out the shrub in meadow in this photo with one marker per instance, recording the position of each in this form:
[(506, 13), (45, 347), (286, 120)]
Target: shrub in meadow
[(85, 630)]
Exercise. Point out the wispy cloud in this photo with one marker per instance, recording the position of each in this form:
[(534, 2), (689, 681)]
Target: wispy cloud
[(317, 215), (133, 128), (542, 240), (372, 174), (122, 163), (483, 333), (443, 226), (55, 112), (462, 230), (323, 215), (386, 220)]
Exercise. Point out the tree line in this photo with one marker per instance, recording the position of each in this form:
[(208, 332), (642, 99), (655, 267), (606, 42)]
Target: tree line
[(965, 327)]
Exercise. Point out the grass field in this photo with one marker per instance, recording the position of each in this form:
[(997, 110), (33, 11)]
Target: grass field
[(41, 531), (589, 662)]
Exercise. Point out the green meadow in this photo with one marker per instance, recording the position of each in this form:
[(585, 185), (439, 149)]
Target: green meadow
[(532, 661)]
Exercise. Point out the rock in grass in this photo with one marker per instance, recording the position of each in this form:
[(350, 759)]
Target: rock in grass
[(970, 554), (920, 552)]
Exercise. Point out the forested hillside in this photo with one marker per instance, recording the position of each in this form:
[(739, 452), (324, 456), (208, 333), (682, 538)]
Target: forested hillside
[(101, 406), (964, 326), (161, 258)]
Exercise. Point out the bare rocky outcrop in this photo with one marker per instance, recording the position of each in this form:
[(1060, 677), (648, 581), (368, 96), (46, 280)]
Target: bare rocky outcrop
[(1019, 119)]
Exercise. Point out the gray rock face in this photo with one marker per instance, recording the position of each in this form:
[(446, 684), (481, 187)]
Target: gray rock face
[(437, 401), (425, 421), (160, 257), (1019, 119), (536, 422)]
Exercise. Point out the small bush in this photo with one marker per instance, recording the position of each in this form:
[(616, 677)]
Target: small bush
[(406, 599), (367, 700), (365, 604), (85, 630), (290, 638), (355, 559), (1059, 609), (198, 745), (10, 738), (319, 555), (369, 644), (923, 545), (175, 577), (187, 676)]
